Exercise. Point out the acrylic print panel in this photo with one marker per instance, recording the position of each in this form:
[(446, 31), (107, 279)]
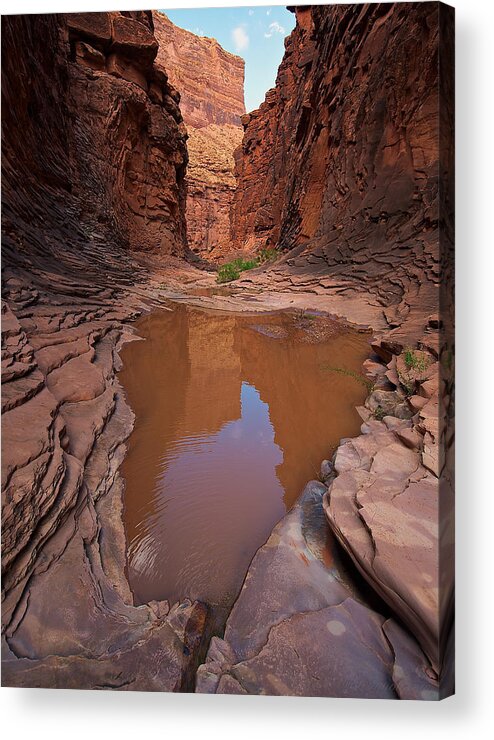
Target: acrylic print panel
[(228, 350)]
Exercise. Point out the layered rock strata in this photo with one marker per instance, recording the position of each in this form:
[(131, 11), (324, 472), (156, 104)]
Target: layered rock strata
[(339, 167), (92, 170), (211, 84), (210, 188), (67, 616), (129, 120), (210, 79)]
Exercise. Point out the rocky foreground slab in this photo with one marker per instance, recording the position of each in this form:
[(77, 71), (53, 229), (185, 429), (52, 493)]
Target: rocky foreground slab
[(299, 629)]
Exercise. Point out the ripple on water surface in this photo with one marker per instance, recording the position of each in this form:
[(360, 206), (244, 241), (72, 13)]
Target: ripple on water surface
[(233, 416)]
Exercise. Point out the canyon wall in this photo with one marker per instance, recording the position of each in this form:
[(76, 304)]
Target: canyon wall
[(116, 147), (93, 160), (211, 84), (341, 170), (339, 166), (129, 120)]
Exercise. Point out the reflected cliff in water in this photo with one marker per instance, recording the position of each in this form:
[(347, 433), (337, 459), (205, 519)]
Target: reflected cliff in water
[(234, 414)]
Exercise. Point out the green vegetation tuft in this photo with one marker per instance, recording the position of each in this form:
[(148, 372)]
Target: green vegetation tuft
[(231, 270), (302, 314), (379, 413), (414, 361)]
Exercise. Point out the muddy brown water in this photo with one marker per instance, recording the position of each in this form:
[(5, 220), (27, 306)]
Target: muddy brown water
[(234, 414)]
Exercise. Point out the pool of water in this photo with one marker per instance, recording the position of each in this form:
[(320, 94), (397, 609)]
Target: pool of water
[(234, 414)]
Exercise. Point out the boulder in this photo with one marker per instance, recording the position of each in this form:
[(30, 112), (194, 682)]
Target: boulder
[(96, 27)]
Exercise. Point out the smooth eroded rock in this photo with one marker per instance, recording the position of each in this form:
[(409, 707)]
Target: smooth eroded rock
[(300, 628)]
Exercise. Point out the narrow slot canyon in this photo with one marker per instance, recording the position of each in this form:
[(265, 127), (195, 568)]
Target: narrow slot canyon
[(228, 357)]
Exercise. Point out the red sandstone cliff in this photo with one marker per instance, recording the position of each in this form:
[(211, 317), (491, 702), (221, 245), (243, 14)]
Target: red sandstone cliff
[(116, 147), (340, 164), (210, 79), (211, 85), (133, 128)]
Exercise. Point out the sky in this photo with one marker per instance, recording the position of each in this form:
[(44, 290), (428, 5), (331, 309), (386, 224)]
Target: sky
[(257, 34)]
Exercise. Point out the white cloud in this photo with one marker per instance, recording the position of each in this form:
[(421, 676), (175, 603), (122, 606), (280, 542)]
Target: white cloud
[(240, 38), (274, 28)]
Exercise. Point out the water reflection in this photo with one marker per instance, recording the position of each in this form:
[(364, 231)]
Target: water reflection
[(233, 416)]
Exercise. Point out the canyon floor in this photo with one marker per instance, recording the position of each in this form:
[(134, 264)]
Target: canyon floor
[(66, 443)]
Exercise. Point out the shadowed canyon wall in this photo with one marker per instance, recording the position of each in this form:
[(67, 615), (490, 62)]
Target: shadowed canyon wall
[(339, 166), (211, 84), (116, 144), (130, 121)]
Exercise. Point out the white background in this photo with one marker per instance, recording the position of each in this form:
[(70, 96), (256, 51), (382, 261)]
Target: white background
[(75, 715)]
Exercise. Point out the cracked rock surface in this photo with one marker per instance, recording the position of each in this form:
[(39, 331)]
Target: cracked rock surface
[(384, 506), (299, 629)]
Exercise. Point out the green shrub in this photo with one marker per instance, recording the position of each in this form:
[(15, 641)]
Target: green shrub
[(231, 270), (414, 361), (379, 413), (245, 264), (227, 272)]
